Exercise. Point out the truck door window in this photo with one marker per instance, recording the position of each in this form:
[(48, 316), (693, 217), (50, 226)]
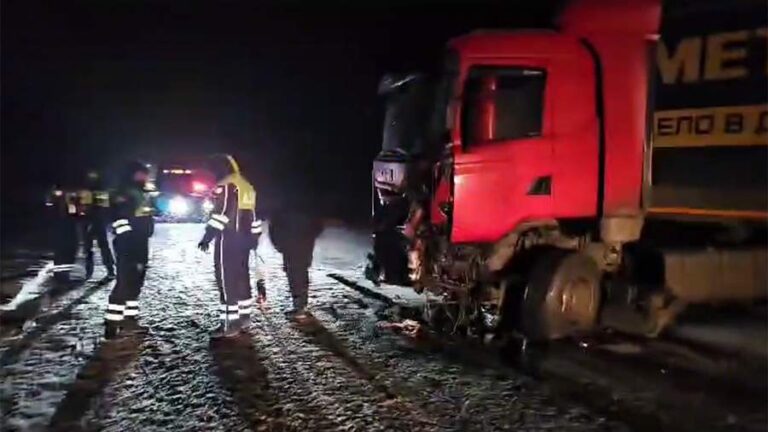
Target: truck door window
[(501, 104)]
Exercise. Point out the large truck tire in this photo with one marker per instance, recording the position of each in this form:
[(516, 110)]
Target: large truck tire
[(562, 297)]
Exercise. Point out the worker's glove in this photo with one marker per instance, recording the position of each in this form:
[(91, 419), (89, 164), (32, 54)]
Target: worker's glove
[(203, 245)]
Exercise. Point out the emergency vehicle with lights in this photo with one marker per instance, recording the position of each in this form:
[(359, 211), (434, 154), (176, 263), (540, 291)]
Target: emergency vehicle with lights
[(182, 193)]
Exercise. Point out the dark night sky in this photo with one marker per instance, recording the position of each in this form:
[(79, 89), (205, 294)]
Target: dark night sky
[(290, 87)]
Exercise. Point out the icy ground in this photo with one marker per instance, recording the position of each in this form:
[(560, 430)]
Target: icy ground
[(336, 372)]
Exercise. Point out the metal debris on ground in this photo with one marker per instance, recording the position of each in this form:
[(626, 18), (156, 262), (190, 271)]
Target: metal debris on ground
[(408, 327)]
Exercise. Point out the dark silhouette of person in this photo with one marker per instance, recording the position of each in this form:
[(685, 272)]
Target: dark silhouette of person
[(293, 233)]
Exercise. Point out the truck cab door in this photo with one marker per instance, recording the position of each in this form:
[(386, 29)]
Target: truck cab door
[(503, 165)]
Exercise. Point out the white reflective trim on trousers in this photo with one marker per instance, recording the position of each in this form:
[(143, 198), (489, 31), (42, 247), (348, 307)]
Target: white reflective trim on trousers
[(229, 317), (221, 218), (62, 268), (213, 223), (224, 308), (248, 302), (113, 317), (131, 312), (119, 222), (255, 230), (122, 229), (115, 307), (132, 303), (246, 311)]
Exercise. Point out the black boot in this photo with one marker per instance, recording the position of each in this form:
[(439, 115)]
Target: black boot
[(110, 272), (130, 325), (111, 329), (299, 311), (88, 267), (373, 269), (228, 329), (245, 322), (300, 302)]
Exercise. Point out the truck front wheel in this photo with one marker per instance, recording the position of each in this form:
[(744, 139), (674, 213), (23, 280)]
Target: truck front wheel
[(562, 297)]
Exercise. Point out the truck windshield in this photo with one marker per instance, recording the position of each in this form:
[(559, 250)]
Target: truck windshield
[(416, 118), (409, 101), (415, 122)]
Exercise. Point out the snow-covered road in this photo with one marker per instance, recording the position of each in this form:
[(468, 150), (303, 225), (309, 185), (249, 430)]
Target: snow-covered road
[(338, 371)]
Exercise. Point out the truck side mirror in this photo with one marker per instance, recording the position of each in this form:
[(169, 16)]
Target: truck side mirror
[(390, 83)]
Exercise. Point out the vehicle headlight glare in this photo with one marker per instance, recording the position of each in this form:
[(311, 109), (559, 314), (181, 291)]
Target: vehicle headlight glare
[(207, 206), (178, 206)]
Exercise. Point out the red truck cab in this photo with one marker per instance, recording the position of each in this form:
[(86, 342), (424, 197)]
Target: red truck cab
[(538, 160), (554, 120)]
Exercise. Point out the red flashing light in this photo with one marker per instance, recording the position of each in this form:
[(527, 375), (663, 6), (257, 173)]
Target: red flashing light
[(199, 186)]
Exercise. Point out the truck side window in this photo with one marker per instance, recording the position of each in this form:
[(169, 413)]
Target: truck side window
[(502, 104)]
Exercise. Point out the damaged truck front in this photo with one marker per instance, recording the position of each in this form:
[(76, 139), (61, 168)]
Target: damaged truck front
[(402, 171), (522, 187)]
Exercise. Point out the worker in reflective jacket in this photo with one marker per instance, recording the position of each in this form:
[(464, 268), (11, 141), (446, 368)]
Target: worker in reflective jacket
[(132, 226), (94, 206), (62, 207), (236, 230)]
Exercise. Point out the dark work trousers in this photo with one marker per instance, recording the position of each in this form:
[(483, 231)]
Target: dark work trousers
[(64, 247), (96, 230), (293, 234), (297, 247), (230, 260), (132, 251), (297, 271)]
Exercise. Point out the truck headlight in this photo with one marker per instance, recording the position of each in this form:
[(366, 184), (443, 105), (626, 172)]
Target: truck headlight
[(178, 206)]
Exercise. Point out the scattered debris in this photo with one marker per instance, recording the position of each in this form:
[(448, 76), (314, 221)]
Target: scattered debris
[(408, 327)]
